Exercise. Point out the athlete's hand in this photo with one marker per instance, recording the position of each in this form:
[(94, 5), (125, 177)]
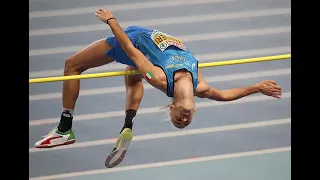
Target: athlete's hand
[(103, 15), (270, 88)]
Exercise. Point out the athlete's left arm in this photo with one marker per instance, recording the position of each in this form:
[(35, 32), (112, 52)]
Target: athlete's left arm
[(267, 87)]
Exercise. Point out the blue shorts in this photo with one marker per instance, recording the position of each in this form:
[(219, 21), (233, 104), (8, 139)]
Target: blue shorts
[(117, 52)]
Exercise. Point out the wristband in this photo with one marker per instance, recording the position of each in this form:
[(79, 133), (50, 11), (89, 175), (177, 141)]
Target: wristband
[(109, 19)]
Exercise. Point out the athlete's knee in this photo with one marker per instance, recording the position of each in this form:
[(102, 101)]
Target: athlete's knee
[(129, 68), (71, 67), (133, 80)]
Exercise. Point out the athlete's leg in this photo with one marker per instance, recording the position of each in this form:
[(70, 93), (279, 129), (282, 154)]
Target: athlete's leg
[(134, 94), (89, 57)]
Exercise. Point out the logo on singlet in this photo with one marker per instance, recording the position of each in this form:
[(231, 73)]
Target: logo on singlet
[(173, 66), (178, 58), (193, 66), (163, 40)]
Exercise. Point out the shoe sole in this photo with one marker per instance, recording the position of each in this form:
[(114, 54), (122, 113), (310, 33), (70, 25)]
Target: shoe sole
[(118, 155), (51, 146)]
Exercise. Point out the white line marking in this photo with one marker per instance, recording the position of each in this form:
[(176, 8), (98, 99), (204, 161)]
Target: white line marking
[(165, 163), (172, 134), (118, 89), (111, 114), (186, 38), (201, 57), (120, 7), (163, 21)]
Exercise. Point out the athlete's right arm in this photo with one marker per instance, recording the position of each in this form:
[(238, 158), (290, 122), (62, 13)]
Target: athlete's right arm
[(267, 87), (143, 64)]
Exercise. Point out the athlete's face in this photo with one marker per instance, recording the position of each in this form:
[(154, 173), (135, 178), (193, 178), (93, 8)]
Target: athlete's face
[(180, 116)]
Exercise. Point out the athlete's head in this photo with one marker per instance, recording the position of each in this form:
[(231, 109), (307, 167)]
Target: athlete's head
[(182, 108)]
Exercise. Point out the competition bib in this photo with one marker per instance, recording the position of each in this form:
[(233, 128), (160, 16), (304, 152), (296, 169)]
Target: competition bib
[(163, 41)]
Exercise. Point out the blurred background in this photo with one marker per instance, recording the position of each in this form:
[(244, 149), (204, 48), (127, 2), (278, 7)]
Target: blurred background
[(247, 139)]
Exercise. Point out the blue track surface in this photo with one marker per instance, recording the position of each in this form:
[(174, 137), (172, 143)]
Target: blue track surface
[(240, 29)]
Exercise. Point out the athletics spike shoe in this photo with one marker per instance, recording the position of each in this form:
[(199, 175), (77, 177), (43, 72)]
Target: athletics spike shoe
[(120, 149), (56, 138)]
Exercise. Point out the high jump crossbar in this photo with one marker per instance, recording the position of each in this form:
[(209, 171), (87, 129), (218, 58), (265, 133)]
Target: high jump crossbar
[(132, 72)]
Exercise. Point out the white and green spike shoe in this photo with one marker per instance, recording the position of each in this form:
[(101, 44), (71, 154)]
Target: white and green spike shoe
[(120, 149), (56, 138)]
